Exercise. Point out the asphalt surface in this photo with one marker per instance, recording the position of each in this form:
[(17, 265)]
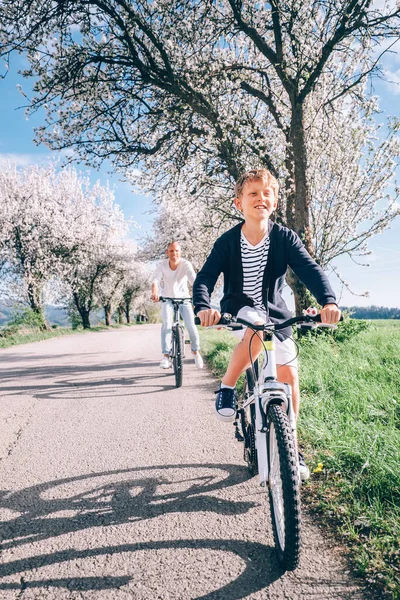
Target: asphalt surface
[(115, 484)]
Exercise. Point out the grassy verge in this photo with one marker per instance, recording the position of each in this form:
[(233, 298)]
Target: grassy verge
[(350, 423)]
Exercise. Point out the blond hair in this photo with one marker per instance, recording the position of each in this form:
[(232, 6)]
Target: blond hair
[(255, 175)]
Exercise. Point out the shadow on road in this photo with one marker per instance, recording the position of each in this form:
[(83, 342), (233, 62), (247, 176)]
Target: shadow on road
[(106, 499), (134, 374)]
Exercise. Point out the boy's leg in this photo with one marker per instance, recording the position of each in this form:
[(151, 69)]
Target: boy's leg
[(240, 358), (225, 402), (288, 374)]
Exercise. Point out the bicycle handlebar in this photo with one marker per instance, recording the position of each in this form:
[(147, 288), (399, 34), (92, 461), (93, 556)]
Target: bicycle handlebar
[(227, 320), (164, 299)]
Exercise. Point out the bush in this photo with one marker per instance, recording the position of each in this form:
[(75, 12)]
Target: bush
[(28, 317), (350, 328), (345, 331)]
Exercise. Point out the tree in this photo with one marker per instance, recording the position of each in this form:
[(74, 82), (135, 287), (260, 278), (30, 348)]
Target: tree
[(136, 284), (56, 227), (32, 229), (96, 256), (224, 84)]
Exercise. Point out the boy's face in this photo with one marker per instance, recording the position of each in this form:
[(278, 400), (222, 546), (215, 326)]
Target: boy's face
[(174, 252), (257, 201)]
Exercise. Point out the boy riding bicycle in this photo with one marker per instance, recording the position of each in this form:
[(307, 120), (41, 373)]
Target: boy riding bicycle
[(254, 257)]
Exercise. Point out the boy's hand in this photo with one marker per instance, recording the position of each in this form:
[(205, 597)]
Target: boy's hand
[(155, 297), (330, 314), (209, 317)]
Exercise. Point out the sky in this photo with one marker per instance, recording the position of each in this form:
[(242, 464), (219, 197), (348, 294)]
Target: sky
[(381, 279)]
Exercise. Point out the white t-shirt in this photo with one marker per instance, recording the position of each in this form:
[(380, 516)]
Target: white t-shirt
[(174, 284), (254, 260)]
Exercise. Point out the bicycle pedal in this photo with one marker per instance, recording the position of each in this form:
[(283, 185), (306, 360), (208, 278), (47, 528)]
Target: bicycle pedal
[(187, 341)]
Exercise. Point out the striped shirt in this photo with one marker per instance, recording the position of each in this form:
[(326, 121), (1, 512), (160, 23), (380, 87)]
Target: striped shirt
[(254, 260)]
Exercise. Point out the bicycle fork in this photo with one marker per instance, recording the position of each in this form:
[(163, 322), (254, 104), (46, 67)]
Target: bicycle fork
[(272, 393)]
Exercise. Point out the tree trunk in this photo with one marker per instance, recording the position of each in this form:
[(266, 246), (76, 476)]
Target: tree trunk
[(36, 305), (120, 313), (127, 309), (108, 314), (299, 213), (85, 314), (82, 310), (298, 199), (302, 297)]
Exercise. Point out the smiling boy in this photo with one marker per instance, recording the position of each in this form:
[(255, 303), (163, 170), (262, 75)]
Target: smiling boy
[(253, 257)]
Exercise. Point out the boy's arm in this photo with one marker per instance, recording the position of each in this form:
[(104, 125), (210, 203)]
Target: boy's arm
[(207, 278), (309, 272)]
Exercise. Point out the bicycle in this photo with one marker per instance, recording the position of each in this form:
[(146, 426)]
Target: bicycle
[(268, 423), (177, 353)]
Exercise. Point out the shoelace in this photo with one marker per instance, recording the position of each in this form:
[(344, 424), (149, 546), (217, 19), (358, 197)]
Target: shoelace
[(224, 392)]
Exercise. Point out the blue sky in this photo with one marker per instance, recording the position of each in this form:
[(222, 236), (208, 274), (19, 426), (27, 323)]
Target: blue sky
[(381, 278)]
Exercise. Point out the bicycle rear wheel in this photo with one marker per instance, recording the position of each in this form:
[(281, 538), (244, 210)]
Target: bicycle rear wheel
[(284, 488), (178, 354)]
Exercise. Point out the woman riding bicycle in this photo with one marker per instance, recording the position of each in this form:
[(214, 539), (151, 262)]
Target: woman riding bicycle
[(254, 257), (172, 276)]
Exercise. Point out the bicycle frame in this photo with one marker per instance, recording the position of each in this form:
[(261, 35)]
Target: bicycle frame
[(177, 352), (267, 389)]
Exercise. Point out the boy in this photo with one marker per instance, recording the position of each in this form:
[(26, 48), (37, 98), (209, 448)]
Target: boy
[(174, 273), (254, 256)]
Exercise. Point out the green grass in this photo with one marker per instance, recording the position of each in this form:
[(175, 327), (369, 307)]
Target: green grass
[(350, 422)]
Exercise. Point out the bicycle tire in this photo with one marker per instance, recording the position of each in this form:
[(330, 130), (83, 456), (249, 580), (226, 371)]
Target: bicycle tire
[(284, 488), (248, 426), (177, 360)]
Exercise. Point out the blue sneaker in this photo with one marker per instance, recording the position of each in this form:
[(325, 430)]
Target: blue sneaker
[(225, 404)]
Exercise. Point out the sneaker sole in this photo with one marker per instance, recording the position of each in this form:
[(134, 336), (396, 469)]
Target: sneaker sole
[(304, 476), (226, 419)]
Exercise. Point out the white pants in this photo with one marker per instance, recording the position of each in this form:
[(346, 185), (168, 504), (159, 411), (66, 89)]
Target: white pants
[(285, 352), (186, 312)]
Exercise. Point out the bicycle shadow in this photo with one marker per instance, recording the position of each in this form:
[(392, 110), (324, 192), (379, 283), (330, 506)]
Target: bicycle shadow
[(123, 496)]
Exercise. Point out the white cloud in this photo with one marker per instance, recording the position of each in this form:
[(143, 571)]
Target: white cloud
[(23, 160), (393, 81)]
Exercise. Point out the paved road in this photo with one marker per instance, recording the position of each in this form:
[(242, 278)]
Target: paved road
[(115, 484)]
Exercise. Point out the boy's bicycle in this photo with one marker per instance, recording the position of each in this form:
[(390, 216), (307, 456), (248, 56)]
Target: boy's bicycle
[(268, 423), (177, 353)]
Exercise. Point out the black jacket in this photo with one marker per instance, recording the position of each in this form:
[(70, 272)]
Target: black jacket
[(285, 250)]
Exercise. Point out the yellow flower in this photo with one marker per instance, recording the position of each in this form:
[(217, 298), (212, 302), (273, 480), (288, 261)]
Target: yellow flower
[(319, 468)]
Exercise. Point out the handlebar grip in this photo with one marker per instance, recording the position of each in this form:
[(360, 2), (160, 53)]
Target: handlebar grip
[(224, 320), (317, 318)]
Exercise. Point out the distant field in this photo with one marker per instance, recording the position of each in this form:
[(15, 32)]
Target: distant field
[(350, 422)]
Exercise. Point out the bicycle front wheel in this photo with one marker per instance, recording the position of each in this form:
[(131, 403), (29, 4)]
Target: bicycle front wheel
[(284, 488), (178, 355)]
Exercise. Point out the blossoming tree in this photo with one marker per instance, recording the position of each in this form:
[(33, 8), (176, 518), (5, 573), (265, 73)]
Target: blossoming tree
[(224, 85)]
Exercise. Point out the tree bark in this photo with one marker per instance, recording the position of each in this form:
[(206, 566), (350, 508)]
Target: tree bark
[(108, 314), (127, 307), (36, 305), (298, 199), (120, 313), (83, 311)]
